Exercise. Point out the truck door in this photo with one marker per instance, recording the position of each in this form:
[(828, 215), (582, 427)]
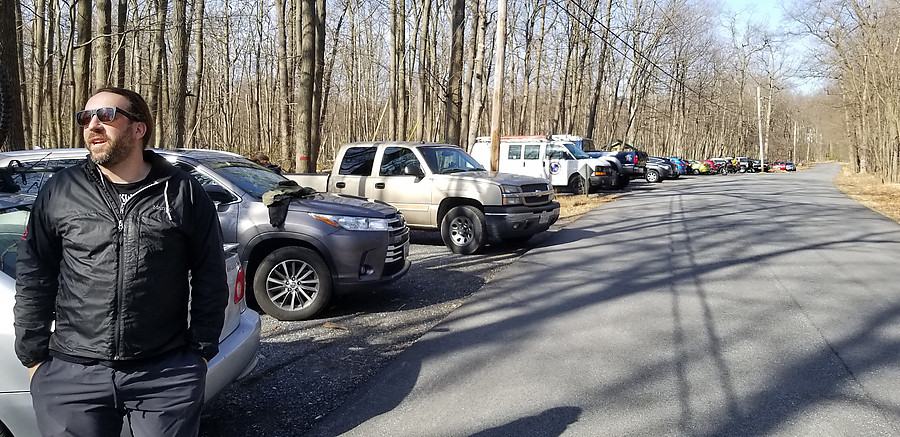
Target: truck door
[(356, 168), (410, 194), (560, 165), (532, 162)]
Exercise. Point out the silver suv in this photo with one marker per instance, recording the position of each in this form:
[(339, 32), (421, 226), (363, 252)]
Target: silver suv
[(328, 243)]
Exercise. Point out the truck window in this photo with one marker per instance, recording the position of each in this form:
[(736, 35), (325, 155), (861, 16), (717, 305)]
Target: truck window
[(533, 151), (395, 160), (515, 152), (358, 161)]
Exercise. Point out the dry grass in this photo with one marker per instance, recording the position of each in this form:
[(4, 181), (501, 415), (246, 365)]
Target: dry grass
[(869, 190), (571, 207)]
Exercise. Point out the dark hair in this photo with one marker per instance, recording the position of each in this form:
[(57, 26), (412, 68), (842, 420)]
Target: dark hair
[(138, 108)]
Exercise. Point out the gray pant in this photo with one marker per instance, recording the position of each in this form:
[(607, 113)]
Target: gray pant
[(162, 397)]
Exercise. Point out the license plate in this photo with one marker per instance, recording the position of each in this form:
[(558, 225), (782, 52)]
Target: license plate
[(545, 217)]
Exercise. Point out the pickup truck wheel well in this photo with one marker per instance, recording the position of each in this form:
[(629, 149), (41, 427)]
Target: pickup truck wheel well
[(264, 248), (453, 202)]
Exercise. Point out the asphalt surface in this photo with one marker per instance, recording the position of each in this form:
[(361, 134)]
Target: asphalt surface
[(759, 304)]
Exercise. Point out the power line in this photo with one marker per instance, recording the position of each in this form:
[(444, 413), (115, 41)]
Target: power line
[(637, 52)]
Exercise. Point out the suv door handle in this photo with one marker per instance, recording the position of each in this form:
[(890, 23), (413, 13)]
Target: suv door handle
[(379, 185), (340, 185)]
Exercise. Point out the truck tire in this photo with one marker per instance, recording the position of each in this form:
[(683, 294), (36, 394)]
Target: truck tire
[(622, 182), (462, 230), (653, 176), (292, 283), (577, 185)]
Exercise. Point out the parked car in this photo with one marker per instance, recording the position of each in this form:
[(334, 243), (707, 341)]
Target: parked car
[(683, 166), (659, 169), (778, 165), (757, 166), (699, 167), (326, 244), (238, 342), (713, 167), (789, 166)]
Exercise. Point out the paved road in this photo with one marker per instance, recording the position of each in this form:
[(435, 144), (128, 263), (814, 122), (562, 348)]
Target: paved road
[(755, 305)]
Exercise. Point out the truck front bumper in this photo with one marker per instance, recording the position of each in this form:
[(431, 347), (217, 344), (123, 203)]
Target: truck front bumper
[(519, 221), (603, 177)]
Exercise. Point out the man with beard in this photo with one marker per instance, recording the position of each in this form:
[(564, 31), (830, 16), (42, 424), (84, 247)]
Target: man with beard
[(123, 253)]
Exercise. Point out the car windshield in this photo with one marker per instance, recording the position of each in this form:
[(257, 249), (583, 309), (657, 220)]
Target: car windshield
[(576, 152), (255, 179), (445, 160), (12, 227)]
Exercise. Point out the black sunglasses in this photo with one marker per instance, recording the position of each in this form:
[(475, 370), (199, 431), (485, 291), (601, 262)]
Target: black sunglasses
[(105, 114)]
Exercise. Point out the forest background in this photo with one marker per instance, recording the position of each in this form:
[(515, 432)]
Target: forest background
[(298, 78)]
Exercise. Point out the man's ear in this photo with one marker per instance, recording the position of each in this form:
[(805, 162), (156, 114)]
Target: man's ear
[(140, 129)]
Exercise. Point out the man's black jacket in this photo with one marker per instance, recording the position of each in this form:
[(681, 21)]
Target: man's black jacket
[(115, 279)]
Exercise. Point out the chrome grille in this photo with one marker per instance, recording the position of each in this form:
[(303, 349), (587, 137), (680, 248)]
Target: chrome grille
[(399, 247)]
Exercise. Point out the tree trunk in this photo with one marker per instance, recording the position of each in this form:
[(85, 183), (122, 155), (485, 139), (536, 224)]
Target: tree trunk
[(194, 106), (179, 85), (496, 106), (478, 73), (40, 61), (12, 128), (454, 80), (318, 96), (102, 50), (423, 43), (157, 60), (601, 74), (284, 91), (82, 53), (121, 19), (306, 84)]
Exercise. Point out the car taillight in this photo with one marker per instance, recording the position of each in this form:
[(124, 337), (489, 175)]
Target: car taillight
[(635, 158), (239, 286)]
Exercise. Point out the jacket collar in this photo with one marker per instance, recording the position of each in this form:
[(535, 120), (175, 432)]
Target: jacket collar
[(160, 169)]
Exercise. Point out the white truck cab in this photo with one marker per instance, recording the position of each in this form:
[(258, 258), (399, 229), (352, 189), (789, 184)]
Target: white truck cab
[(557, 160)]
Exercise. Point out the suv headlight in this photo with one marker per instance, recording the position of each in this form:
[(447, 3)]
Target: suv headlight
[(351, 223)]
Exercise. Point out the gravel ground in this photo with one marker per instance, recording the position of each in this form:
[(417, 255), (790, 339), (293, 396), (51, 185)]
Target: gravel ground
[(307, 369)]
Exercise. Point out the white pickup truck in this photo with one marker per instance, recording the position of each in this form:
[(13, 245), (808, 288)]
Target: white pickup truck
[(556, 159), (439, 186)]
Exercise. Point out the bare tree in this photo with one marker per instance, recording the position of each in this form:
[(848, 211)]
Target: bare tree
[(454, 82), (306, 84)]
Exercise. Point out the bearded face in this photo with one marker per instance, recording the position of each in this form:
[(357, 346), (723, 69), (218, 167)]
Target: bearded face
[(110, 150), (112, 141)]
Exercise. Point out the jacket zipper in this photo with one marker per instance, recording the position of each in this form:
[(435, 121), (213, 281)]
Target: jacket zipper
[(120, 215)]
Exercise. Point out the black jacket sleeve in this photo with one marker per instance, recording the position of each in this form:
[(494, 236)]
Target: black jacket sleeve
[(37, 284), (209, 284)]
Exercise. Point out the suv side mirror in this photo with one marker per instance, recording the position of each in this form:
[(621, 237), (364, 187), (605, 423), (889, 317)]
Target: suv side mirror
[(220, 196), (413, 170)]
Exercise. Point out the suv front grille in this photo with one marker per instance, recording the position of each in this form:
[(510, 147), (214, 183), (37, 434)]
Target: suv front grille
[(399, 246), (536, 194)]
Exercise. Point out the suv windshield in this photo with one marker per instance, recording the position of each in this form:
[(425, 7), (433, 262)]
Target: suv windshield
[(444, 160), (252, 178)]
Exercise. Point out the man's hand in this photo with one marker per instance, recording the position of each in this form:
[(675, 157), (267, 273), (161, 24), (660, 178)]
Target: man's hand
[(33, 369)]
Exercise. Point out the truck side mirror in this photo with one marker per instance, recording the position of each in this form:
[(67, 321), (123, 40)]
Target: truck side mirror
[(413, 170)]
